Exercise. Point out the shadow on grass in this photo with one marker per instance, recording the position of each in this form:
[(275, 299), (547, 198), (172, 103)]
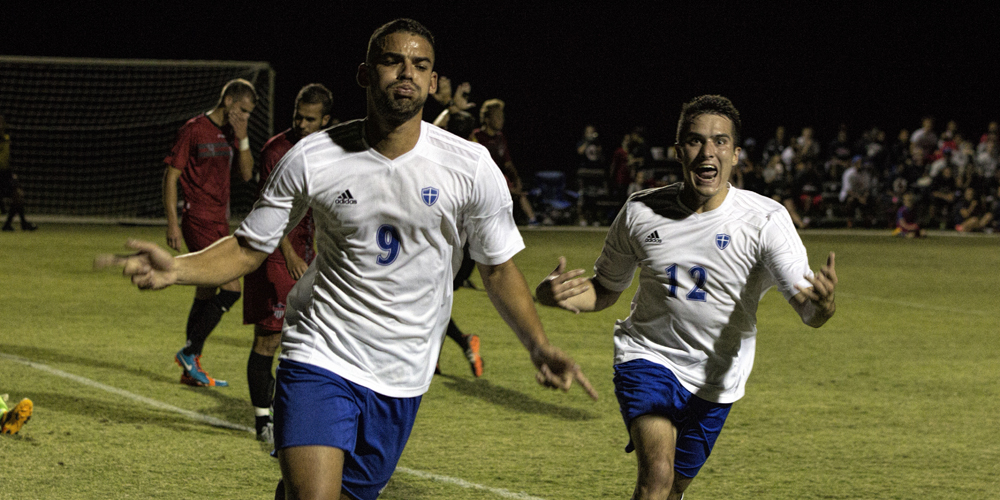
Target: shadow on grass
[(514, 400), (124, 413), (228, 407)]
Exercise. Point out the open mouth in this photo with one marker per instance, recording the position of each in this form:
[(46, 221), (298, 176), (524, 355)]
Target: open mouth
[(706, 173)]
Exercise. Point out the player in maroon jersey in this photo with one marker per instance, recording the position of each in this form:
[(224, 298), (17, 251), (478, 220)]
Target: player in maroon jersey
[(268, 286), (490, 134), (201, 160)]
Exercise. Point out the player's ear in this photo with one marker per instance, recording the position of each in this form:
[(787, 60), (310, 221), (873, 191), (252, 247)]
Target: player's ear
[(363, 77), (325, 120), (736, 155), (434, 83)]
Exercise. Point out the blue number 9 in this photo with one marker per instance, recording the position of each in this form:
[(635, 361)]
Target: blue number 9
[(388, 240)]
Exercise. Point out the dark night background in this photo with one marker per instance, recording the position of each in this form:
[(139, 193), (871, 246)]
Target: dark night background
[(561, 65)]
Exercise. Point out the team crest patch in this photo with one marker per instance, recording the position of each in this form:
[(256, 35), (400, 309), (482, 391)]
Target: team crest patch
[(279, 310), (429, 195), (722, 240)]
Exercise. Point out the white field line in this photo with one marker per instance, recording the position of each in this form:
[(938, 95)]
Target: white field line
[(218, 422), (916, 305), (465, 484)]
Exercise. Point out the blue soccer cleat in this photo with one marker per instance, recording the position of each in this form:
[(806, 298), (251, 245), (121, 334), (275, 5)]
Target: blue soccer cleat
[(193, 373)]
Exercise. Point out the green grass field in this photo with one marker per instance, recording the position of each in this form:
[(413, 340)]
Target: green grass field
[(897, 397)]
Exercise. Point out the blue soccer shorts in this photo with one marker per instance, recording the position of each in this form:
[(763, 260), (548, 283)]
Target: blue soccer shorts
[(316, 407), (645, 388)]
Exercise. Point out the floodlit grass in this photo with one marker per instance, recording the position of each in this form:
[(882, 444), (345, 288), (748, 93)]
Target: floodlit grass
[(896, 398)]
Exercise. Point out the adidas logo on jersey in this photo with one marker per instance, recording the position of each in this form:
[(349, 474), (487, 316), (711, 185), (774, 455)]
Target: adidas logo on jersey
[(654, 237), (345, 198)]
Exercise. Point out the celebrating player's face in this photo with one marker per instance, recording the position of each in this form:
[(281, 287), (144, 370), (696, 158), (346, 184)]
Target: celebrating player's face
[(708, 154), (402, 76), (309, 118)]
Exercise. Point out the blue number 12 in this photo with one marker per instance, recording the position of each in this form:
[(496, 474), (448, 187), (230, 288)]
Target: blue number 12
[(698, 274)]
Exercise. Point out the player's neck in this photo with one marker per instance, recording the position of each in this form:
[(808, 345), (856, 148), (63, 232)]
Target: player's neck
[(700, 204), (218, 116), (392, 141)]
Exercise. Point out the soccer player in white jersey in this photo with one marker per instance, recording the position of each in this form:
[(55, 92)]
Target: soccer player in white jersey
[(707, 252), (391, 197)]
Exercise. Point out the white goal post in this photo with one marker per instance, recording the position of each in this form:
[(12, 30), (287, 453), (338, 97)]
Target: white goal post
[(88, 136)]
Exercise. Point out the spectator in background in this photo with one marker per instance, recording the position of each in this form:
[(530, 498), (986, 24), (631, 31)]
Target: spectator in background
[(10, 188), (775, 145), (626, 163), (970, 214), (994, 220), (993, 127), (591, 175), (906, 219), (840, 153), (948, 138), (641, 160), (588, 150), (925, 138), (804, 149), (899, 152), (806, 194), (943, 191), (490, 134), (855, 193), (988, 154)]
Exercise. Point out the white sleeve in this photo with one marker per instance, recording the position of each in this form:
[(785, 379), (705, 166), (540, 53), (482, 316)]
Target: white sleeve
[(282, 202), (784, 254), (616, 265), (489, 217)]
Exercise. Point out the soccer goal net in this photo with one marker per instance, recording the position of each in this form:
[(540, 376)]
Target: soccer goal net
[(88, 136)]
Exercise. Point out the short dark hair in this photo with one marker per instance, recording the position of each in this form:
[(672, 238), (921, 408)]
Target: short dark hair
[(709, 104), (238, 88), (461, 124), (316, 93), (377, 42)]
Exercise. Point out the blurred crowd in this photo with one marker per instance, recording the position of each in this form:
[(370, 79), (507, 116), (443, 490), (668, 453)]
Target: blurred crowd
[(921, 179)]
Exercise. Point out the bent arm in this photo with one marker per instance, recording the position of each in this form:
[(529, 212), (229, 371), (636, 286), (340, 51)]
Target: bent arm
[(565, 289), (816, 304)]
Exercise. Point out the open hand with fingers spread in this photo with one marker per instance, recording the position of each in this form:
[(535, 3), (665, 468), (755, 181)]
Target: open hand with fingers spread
[(150, 268), (558, 371), (561, 285)]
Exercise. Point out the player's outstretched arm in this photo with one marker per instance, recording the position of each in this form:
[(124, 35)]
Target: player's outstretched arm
[(153, 268), (567, 290), (816, 304), (509, 293)]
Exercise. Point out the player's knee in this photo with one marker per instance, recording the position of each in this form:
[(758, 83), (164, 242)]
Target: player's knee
[(656, 480), (266, 342)]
